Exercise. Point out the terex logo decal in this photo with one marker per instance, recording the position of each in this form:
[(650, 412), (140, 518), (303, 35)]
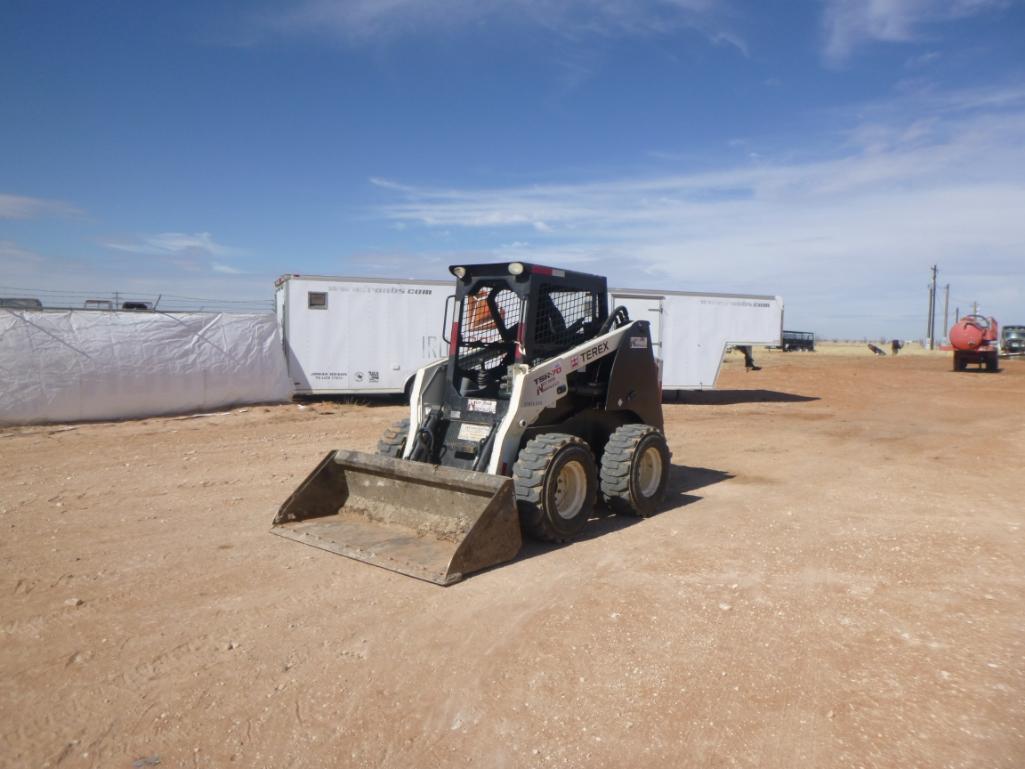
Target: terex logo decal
[(544, 382), (588, 355)]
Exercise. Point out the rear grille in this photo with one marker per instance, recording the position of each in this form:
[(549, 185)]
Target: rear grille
[(564, 317)]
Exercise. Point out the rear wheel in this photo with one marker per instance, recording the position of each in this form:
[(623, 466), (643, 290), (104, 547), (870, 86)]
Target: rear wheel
[(992, 362), (556, 486), (393, 441), (635, 470)]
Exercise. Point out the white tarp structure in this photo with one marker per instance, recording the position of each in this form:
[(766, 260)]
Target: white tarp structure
[(63, 366)]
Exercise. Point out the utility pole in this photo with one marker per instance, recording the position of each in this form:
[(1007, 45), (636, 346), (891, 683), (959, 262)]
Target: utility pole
[(946, 305), (975, 308), (928, 316), (931, 332), (957, 314)]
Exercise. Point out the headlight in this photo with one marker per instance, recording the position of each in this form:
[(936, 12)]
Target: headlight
[(459, 272), (516, 268)]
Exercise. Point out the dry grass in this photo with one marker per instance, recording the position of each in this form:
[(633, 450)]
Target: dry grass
[(861, 348)]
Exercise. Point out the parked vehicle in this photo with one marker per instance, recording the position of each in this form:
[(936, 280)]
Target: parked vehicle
[(98, 304), (349, 335), (21, 303), (1012, 342), (973, 340), (797, 340)]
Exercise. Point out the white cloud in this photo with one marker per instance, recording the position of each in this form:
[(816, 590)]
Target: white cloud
[(196, 252), (359, 21), (174, 243), (23, 207), (25, 269), (847, 238), (12, 255), (922, 60), (849, 24)]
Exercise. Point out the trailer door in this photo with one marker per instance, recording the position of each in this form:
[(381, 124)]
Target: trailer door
[(643, 307), (649, 308)]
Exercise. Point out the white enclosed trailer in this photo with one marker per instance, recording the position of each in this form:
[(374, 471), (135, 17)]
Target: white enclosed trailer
[(359, 335), (691, 330), (346, 335)]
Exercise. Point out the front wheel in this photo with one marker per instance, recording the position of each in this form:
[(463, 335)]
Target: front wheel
[(556, 486), (393, 441), (635, 470)]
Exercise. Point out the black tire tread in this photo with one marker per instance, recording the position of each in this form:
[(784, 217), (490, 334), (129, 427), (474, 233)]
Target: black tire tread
[(393, 440), (617, 463), (528, 480)]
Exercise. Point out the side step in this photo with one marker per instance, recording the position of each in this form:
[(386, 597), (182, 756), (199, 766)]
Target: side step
[(431, 522)]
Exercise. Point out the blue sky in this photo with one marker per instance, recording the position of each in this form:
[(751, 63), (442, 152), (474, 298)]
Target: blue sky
[(828, 151)]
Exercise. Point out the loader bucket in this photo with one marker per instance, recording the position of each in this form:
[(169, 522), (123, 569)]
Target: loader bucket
[(434, 523)]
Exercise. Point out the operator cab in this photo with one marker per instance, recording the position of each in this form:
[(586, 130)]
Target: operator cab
[(516, 312)]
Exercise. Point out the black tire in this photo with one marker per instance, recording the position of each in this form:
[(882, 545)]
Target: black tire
[(393, 441), (635, 470), (992, 362), (548, 468)]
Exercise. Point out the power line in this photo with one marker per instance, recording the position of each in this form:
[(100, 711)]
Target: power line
[(220, 301), (57, 299)]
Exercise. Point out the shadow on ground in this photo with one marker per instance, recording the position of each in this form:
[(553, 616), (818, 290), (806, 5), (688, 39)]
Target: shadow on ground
[(693, 397), (728, 397), (682, 481), (370, 401)]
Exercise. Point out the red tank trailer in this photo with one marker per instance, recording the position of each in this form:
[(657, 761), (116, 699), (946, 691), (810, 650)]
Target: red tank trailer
[(974, 340)]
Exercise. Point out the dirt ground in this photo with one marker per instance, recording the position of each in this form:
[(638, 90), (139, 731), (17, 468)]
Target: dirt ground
[(837, 581)]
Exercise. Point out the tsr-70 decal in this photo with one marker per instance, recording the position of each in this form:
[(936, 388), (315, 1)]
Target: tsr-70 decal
[(548, 379)]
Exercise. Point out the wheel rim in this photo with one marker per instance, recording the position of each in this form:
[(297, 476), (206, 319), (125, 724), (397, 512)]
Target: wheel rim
[(649, 471), (570, 490)]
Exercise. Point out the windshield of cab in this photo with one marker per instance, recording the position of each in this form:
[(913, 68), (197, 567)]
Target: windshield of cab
[(486, 338)]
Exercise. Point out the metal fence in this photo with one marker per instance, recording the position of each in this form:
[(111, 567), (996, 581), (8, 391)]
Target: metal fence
[(57, 299)]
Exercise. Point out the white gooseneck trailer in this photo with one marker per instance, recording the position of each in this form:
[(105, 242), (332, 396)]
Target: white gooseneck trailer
[(348, 335)]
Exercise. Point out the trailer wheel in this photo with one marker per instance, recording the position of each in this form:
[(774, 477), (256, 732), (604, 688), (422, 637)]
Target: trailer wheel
[(556, 485), (393, 441), (635, 470), (992, 362)]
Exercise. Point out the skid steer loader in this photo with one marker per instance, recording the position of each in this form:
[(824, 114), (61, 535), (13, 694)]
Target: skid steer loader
[(546, 401)]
